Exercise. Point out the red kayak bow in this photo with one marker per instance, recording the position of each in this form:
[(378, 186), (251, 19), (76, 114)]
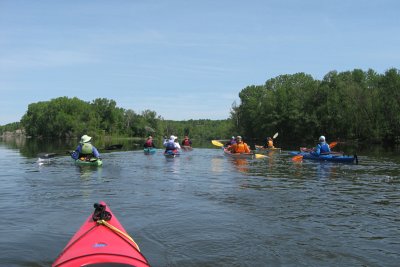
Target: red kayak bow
[(101, 239)]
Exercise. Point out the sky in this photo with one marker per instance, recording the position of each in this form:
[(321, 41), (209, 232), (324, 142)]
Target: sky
[(182, 59)]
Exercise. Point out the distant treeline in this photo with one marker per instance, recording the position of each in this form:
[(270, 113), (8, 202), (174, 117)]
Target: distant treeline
[(362, 105), (348, 105), (65, 117)]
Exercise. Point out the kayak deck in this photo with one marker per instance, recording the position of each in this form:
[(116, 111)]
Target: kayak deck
[(101, 239), (238, 155), (91, 162), (262, 149), (149, 150)]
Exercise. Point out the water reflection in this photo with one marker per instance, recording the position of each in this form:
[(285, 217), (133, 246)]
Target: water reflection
[(317, 169), (182, 209), (87, 172), (241, 165), (217, 164), (172, 164)]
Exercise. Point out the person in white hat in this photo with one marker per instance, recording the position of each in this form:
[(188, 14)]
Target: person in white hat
[(171, 143), (85, 149), (322, 147)]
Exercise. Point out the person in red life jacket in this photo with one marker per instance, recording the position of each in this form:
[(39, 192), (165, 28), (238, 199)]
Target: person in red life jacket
[(186, 141), (149, 143), (239, 147), (85, 149)]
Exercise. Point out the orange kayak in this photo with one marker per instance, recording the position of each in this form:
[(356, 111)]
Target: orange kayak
[(101, 239)]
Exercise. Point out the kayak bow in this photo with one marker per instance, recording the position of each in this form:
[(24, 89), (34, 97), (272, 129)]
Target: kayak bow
[(101, 239), (149, 150)]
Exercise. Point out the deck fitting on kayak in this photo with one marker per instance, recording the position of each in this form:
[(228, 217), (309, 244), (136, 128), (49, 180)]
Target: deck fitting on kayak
[(100, 213)]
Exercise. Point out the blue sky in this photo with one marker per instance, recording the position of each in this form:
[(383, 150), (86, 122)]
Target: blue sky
[(182, 59)]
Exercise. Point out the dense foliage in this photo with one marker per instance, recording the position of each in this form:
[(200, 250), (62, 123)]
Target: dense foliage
[(11, 127), (65, 117), (356, 104), (348, 105)]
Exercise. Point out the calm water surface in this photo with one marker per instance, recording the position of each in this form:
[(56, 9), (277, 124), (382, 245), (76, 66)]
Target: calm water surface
[(204, 209)]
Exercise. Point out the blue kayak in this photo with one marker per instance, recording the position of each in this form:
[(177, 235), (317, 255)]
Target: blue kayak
[(149, 150), (329, 157)]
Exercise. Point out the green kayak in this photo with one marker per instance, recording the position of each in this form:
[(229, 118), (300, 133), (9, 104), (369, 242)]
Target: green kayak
[(89, 162)]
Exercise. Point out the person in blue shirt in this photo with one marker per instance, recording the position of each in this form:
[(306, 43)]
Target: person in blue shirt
[(85, 149), (322, 147), (171, 144), (230, 142)]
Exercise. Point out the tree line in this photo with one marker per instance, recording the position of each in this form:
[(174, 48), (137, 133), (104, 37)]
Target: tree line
[(362, 105), (65, 117)]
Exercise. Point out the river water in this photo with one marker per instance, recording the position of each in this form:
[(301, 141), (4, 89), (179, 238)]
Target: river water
[(204, 209)]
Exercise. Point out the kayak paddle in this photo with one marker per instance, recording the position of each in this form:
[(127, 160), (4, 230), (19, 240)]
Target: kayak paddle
[(47, 155), (217, 143), (333, 144), (297, 158), (275, 136)]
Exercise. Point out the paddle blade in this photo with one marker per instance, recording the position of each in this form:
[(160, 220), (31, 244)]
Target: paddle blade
[(47, 155), (275, 135), (298, 158), (333, 144), (260, 156), (217, 143)]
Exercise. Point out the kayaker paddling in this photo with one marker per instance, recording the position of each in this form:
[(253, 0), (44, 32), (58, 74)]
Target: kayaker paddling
[(230, 142), (149, 143), (85, 150), (322, 147), (239, 147), (186, 141), (269, 143), (171, 144)]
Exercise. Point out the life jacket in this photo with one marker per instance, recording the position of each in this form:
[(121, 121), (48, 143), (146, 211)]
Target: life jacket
[(270, 143), (170, 146), (239, 148), (186, 142), (86, 149), (324, 147), (149, 143)]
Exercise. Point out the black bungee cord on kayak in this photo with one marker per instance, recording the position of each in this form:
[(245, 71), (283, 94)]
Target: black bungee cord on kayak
[(100, 213)]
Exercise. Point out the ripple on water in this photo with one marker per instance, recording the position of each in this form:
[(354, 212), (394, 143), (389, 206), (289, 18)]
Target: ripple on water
[(205, 209)]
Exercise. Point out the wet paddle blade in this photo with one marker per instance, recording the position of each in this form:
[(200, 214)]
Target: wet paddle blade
[(298, 158), (275, 135), (260, 156), (333, 144), (47, 155), (217, 143)]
